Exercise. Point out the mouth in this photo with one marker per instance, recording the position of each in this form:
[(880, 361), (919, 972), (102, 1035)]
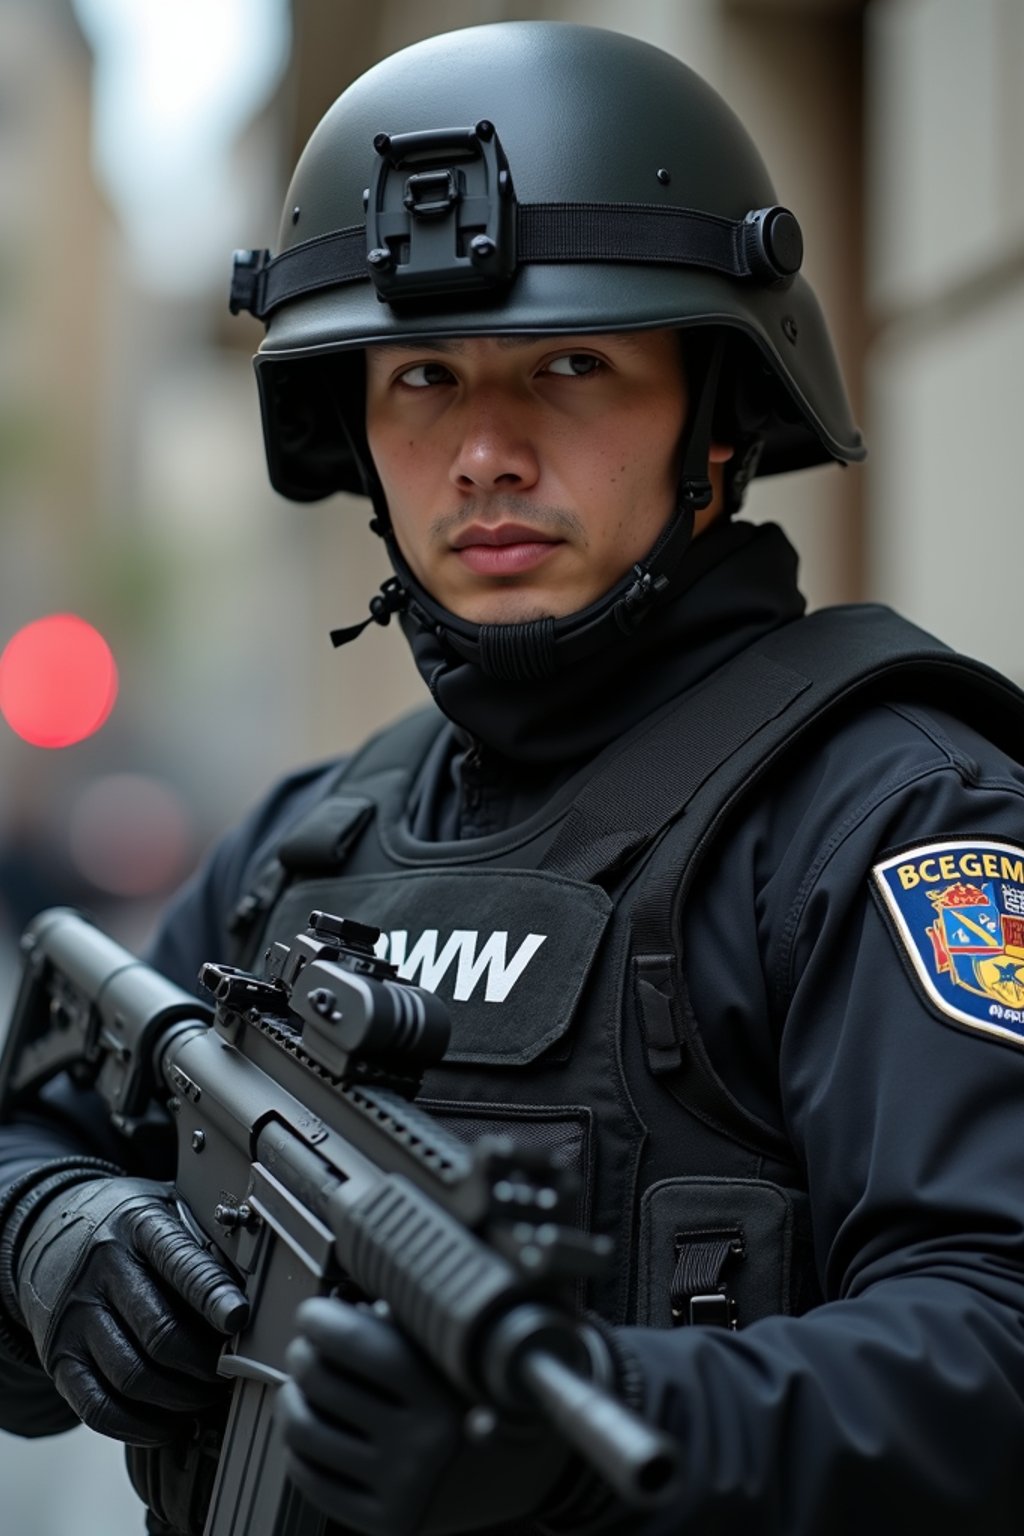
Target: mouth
[(499, 535), (504, 549)]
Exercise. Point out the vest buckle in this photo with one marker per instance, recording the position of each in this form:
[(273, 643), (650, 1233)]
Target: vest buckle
[(716, 1310), (698, 1291)]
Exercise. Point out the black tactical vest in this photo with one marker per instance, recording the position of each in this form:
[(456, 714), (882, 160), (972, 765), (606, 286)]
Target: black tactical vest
[(556, 945)]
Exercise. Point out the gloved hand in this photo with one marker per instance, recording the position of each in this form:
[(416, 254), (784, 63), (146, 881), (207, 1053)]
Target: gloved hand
[(377, 1439), (127, 1311)]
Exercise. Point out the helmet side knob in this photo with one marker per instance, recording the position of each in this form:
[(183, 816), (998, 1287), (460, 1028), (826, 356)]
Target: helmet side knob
[(773, 244)]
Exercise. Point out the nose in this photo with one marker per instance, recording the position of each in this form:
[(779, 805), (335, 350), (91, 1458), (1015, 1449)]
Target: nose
[(496, 451)]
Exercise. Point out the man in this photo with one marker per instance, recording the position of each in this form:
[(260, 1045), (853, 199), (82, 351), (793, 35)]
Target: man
[(728, 909)]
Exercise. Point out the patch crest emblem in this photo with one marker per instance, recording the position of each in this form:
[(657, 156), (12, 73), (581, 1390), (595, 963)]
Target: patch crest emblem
[(958, 909)]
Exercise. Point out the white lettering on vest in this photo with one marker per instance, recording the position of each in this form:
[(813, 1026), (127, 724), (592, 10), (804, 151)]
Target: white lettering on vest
[(425, 966)]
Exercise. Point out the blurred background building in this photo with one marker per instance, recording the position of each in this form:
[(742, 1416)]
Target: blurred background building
[(140, 142)]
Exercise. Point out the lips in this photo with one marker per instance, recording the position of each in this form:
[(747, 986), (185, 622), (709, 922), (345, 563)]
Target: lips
[(500, 535), (506, 549)]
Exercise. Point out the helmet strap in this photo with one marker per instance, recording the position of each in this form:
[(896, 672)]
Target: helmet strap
[(695, 486)]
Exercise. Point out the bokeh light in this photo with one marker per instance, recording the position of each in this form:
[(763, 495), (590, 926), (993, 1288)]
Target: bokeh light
[(131, 835), (58, 681)]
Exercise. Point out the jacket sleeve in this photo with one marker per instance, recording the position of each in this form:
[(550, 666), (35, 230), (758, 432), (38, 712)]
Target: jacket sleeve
[(901, 1399), (68, 1124)]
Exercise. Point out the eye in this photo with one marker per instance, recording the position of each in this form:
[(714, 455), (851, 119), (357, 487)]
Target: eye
[(574, 365), (423, 375)]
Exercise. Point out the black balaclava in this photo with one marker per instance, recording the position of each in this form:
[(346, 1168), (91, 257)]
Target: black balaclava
[(581, 707)]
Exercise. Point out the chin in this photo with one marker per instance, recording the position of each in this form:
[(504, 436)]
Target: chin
[(519, 607), (506, 608)]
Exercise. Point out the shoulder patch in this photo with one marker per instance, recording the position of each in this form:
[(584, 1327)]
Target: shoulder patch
[(958, 910)]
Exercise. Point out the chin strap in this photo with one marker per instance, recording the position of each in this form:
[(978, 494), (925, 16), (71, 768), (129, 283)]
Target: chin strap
[(536, 649), (392, 598), (695, 493)]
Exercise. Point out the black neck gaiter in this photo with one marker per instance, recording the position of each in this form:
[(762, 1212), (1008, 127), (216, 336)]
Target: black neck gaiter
[(737, 581)]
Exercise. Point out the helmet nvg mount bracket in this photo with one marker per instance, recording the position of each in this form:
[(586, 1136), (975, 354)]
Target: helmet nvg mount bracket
[(450, 225)]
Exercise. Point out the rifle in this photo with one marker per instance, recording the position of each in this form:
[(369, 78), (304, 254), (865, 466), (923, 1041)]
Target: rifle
[(305, 1165)]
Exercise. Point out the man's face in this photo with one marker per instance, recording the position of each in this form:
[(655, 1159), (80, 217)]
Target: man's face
[(525, 475)]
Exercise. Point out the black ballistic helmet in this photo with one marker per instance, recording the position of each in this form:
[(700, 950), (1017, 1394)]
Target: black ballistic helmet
[(535, 177)]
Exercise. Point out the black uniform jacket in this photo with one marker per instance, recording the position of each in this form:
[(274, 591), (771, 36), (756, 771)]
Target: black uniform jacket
[(901, 1398)]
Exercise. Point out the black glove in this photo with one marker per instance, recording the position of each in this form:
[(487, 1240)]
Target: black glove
[(127, 1311), (378, 1440)]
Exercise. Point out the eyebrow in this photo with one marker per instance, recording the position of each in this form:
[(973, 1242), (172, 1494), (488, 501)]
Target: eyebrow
[(450, 344), (443, 344)]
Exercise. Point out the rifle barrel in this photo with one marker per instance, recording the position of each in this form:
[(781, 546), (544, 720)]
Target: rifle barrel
[(641, 1463)]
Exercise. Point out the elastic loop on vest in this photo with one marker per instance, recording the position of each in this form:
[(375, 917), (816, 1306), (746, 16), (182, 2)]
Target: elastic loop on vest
[(518, 653)]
